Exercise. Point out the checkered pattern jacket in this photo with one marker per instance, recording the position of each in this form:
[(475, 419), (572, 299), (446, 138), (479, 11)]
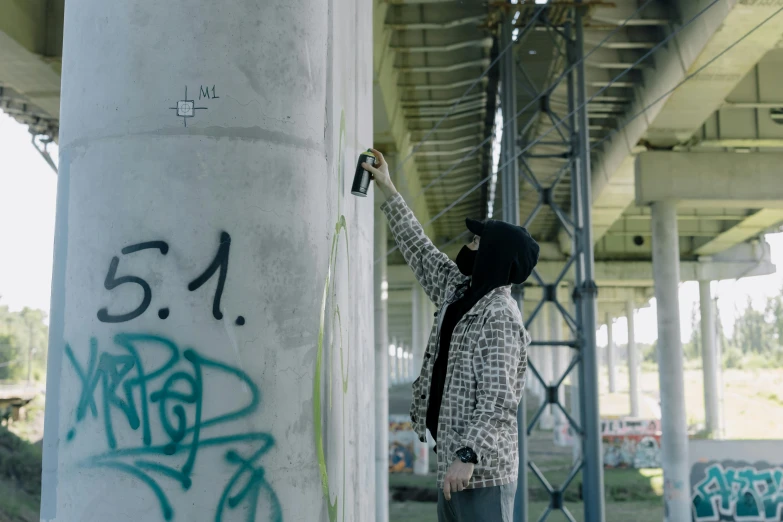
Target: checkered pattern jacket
[(486, 367)]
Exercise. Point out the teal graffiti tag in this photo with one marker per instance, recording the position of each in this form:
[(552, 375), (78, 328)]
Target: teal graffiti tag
[(118, 385), (738, 494)]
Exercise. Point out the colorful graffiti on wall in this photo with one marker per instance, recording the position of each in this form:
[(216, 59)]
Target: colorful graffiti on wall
[(402, 444), (631, 443), (627, 442), (737, 491)]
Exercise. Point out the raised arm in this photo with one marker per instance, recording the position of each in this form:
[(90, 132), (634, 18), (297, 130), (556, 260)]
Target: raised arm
[(433, 269)]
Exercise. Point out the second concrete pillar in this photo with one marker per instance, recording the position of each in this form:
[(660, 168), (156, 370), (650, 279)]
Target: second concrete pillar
[(710, 361), (674, 439)]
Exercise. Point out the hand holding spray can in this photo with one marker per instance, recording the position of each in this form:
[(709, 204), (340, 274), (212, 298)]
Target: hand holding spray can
[(362, 178)]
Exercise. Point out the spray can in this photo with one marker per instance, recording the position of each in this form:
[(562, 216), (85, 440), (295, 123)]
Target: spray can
[(362, 178)]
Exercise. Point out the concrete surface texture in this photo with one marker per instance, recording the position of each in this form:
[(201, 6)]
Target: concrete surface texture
[(212, 325)]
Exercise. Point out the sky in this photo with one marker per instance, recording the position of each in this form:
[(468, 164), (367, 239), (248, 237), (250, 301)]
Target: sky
[(28, 189)]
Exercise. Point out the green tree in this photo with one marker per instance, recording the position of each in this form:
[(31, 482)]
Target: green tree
[(774, 314), (752, 333), (24, 337), (692, 349)]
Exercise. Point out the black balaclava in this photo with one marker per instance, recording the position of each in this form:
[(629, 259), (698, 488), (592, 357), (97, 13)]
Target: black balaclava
[(466, 260), (507, 255)]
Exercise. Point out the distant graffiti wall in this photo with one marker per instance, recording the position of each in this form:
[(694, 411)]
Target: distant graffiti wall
[(736, 481), (627, 442), (631, 443), (402, 444)]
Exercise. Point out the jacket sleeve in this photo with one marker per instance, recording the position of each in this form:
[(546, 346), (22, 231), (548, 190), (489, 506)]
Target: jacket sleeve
[(499, 371), (433, 269)]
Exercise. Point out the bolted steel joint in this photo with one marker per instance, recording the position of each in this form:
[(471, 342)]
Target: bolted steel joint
[(543, 103), (556, 500), (551, 394), (546, 196), (550, 293), (590, 289)]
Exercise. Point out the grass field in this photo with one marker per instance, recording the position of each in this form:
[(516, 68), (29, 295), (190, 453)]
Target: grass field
[(752, 400)]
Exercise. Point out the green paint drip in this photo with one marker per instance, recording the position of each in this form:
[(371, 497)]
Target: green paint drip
[(340, 227)]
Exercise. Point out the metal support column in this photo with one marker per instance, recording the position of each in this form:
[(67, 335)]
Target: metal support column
[(559, 357), (593, 472), (510, 183), (545, 356), (571, 156)]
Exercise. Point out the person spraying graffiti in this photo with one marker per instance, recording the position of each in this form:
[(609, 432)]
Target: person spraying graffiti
[(473, 374)]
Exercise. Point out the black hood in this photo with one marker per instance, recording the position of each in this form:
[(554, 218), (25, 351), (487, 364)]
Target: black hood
[(507, 255)]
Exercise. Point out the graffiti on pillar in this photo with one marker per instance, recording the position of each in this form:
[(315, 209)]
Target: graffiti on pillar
[(219, 266), (186, 108), (121, 389), (737, 491), (330, 311)]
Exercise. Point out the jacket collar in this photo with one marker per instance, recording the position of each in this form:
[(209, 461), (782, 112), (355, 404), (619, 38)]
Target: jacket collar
[(484, 301)]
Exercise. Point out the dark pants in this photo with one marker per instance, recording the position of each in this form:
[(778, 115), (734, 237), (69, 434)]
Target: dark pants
[(493, 504)]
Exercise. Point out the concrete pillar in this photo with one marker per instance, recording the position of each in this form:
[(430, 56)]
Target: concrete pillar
[(421, 464), (674, 439), (406, 367), (416, 326), (209, 325), (610, 366), (393, 376), (426, 323), (400, 364), (381, 286), (709, 359), (633, 360), (719, 348), (546, 422)]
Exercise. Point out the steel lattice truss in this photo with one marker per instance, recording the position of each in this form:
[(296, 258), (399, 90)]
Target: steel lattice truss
[(569, 148)]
